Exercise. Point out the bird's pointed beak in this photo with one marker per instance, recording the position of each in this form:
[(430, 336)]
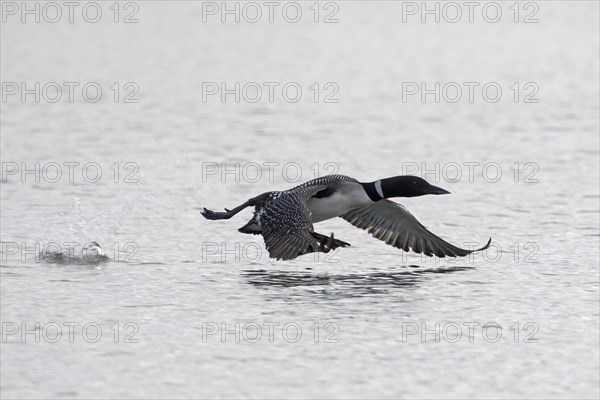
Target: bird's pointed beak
[(435, 190)]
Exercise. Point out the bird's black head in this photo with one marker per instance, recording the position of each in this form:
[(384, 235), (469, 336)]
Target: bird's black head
[(400, 186), (408, 186)]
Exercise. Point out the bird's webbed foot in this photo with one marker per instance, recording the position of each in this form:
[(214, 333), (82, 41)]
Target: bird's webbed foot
[(326, 244), (210, 214)]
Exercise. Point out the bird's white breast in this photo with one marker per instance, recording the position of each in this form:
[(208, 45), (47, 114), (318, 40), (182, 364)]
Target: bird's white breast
[(336, 204)]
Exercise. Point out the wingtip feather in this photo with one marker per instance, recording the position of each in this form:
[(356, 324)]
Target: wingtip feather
[(486, 245)]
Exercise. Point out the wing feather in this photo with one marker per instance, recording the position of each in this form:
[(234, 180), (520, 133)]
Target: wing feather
[(393, 224), (286, 224)]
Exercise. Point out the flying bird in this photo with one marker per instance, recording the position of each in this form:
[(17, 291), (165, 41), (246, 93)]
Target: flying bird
[(285, 218)]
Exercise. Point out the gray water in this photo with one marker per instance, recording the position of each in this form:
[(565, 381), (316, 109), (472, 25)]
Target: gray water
[(158, 319)]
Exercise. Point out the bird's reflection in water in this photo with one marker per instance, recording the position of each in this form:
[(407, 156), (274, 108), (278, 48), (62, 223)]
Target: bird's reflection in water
[(346, 285)]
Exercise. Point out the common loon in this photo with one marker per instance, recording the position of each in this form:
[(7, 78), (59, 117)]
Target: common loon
[(285, 219)]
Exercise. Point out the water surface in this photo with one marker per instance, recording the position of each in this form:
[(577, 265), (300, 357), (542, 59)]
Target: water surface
[(374, 322)]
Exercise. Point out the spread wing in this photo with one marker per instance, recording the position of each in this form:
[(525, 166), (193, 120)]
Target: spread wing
[(286, 224), (392, 223)]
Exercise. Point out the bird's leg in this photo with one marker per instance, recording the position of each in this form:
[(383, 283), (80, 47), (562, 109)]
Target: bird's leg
[(328, 243), (323, 248), (209, 214)]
